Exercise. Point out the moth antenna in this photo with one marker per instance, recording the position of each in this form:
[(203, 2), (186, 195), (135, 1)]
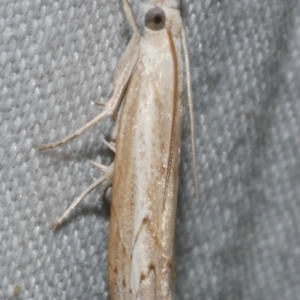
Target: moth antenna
[(191, 110)]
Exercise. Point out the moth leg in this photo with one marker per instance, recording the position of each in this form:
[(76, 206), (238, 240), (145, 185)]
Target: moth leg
[(110, 145), (100, 166), (103, 168), (106, 177), (105, 202), (130, 16), (77, 133), (111, 107), (100, 103), (107, 184)]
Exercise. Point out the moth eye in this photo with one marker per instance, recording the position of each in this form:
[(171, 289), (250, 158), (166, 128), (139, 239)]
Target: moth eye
[(155, 18)]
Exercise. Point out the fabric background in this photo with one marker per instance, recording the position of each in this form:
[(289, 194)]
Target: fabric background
[(241, 240)]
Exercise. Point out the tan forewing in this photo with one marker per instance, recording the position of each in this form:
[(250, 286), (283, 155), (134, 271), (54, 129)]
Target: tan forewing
[(141, 247)]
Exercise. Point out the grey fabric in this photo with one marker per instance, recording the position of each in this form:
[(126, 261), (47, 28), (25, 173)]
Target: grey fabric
[(241, 239)]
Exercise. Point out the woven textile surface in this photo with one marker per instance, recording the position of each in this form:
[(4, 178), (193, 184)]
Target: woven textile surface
[(240, 241)]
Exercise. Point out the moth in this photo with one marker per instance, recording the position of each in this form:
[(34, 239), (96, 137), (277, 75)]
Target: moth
[(147, 108)]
